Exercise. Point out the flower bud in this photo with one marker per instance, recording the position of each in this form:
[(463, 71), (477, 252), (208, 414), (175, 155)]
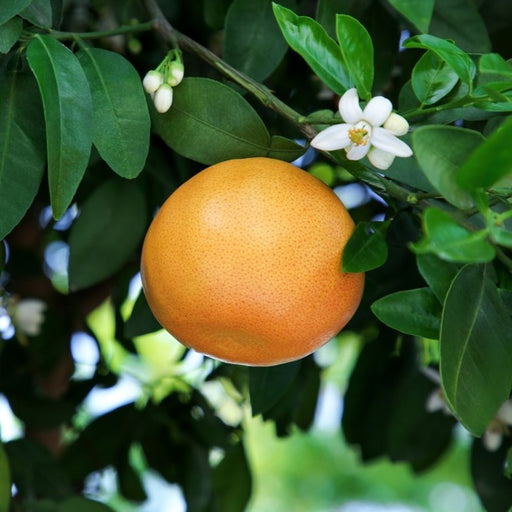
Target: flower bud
[(505, 412), (29, 316), (163, 98), (380, 159), (152, 81), (396, 124), (493, 437), (176, 72)]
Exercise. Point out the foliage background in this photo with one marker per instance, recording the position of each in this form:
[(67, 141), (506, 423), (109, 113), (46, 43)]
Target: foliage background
[(85, 161)]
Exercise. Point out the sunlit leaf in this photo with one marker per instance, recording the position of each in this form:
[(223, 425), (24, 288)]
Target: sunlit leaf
[(476, 354), (67, 112), (120, 112), (310, 40), (22, 155), (494, 63)]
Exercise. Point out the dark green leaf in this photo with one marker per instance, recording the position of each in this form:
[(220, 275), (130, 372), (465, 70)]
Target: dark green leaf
[(22, 157), (79, 504), (432, 79), (326, 11), (367, 248), (267, 385), (460, 21), (10, 31), (416, 312), (418, 12), (450, 241), (209, 122), (310, 40), (107, 232), (253, 42), (440, 151), (5, 481), (282, 148), (232, 481), (357, 52), (39, 13), (493, 487), (438, 274), (68, 120), (121, 117), (494, 63), (9, 9), (493, 156), (476, 353), (456, 58), (142, 320)]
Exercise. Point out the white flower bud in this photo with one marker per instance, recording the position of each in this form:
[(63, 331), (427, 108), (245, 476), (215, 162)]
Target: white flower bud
[(505, 412), (29, 316), (435, 402), (380, 159), (493, 436), (152, 81), (396, 124), (176, 72), (163, 98)]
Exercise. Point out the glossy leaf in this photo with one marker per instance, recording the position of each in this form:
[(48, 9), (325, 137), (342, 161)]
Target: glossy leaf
[(326, 11), (39, 13), (476, 354), (105, 235), (267, 385), (10, 31), (418, 12), (310, 40), (9, 9), (438, 274), (494, 63), (493, 156), (253, 42), (452, 242), (209, 122), (456, 58), (120, 112), (461, 22), (432, 79), (440, 151), (22, 156), (5, 481), (357, 52), (67, 112), (367, 248), (416, 312)]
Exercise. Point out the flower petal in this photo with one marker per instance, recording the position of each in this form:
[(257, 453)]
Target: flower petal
[(380, 159), (386, 141), (349, 107), (334, 137), (396, 124), (356, 152), (377, 110)]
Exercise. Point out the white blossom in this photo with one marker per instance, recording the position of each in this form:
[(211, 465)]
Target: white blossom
[(163, 98), (371, 132), (152, 81), (29, 316)]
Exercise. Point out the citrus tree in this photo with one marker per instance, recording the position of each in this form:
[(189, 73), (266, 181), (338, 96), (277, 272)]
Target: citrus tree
[(106, 107)]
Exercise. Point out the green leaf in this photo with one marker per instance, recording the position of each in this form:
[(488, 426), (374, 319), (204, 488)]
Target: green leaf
[(367, 247), (120, 112), (416, 312), (22, 156), (326, 11), (253, 42), (438, 273), (79, 504), (460, 21), (447, 51), (5, 481), (357, 52), (450, 241), (489, 162), (310, 40), (232, 481), (9, 9), (440, 151), (432, 79), (67, 111), (39, 13), (476, 355), (282, 148), (107, 232), (418, 12), (210, 122), (10, 32), (142, 320), (267, 385)]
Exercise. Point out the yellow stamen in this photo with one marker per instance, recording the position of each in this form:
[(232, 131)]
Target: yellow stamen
[(359, 136)]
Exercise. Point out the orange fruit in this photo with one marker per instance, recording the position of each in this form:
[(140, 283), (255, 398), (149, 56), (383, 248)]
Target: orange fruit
[(243, 263)]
